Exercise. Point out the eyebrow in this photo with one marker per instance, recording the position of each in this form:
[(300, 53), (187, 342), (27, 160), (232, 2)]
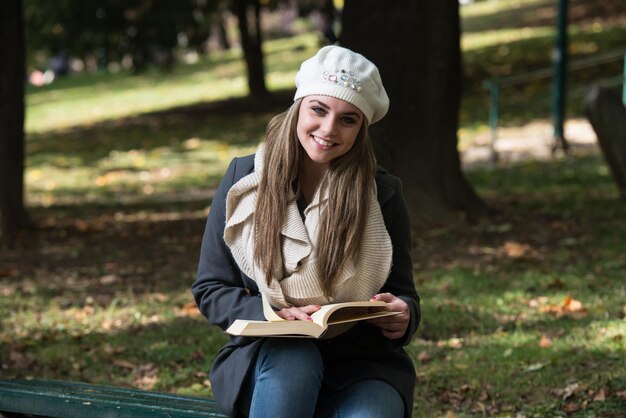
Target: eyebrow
[(325, 106)]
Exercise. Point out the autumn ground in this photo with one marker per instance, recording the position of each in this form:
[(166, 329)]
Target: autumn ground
[(523, 311)]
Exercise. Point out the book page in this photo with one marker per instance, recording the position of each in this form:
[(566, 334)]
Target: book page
[(281, 328), (268, 311), (334, 313)]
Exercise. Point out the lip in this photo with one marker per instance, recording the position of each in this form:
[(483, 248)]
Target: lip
[(322, 142)]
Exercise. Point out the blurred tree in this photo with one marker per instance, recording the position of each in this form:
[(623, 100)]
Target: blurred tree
[(251, 43), (12, 78), (149, 31), (416, 46)]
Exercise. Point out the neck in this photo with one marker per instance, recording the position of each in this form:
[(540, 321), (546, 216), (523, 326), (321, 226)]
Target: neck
[(311, 176)]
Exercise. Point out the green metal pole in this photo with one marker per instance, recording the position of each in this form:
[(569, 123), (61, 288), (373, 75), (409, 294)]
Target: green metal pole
[(494, 114), (493, 85), (624, 83), (560, 71)]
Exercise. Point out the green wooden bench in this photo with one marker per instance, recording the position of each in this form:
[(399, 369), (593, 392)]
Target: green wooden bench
[(75, 400)]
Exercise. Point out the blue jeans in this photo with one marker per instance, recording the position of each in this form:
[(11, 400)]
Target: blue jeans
[(286, 381)]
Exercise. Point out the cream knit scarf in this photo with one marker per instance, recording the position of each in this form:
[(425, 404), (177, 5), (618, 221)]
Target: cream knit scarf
[(300, 286)]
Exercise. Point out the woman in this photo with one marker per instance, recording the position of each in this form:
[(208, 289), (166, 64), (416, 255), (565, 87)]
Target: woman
[(309, 220)]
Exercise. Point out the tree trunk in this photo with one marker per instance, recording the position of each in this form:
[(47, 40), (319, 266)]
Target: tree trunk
[(416, 46), (607, 115), (251, 43), (12, 77), (222, 36)]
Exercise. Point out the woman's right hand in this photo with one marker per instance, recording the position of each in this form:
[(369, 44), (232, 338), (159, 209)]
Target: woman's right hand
[(302, 313)]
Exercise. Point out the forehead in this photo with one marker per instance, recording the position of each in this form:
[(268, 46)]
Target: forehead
[(332, 103)]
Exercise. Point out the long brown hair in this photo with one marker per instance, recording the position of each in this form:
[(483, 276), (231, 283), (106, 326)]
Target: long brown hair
[(348, 181)]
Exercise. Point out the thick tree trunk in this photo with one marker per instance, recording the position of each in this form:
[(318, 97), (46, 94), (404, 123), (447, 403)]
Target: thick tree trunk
[(251, 43), (416, 46), (12, 74)]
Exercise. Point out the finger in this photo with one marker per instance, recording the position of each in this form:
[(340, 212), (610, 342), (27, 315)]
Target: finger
[(393, 335), (390, 326), (298, 313), (309, 309), (385, 322), (384, 297), (285, 313), (295, 313)]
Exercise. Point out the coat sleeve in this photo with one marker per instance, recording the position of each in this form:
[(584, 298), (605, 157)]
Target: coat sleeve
[(400, 281), (219, 288)]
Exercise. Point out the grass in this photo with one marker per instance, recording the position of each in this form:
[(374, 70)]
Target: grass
[(523, 311), (495, 339)]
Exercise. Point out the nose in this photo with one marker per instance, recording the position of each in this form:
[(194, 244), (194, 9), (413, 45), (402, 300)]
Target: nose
[(328, 126)]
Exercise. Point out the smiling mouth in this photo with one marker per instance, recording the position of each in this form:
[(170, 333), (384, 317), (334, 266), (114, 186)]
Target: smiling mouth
[(323, 142)]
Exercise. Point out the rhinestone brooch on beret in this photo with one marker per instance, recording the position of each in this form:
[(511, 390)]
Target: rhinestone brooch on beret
[(344, 78)]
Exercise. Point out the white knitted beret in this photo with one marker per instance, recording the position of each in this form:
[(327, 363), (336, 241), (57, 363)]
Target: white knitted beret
[(339, 72)]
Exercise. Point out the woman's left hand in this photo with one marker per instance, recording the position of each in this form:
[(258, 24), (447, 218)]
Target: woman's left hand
[(393, 326)]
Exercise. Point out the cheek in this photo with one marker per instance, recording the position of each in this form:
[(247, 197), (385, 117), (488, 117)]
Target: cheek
[(301, 130), (351, 137), (301, 133)]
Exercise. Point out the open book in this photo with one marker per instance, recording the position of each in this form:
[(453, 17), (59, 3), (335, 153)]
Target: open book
[(330, 319)]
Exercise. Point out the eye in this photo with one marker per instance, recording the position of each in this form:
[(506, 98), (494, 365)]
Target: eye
[(348, 120), (318, 110)]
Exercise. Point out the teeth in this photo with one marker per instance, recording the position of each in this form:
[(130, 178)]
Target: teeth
[(322, 142)]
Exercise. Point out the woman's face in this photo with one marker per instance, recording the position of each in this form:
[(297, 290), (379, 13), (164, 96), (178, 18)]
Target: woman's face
[(327, 128)]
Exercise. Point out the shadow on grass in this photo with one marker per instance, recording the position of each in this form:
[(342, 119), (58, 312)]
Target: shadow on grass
[(238, 121), (164, 356), (543, 13)]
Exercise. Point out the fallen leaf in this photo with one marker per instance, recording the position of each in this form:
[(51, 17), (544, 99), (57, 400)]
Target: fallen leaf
[(109, 279), (110, 324), (515, 249), (545, 341), (455, 343), (535, 367), (559, 226), (20, 360), (146, 382), (190, 309), (483, 396), (81, 225), (146, 376), (571, 407), (124, 363), (508, 408), (538, 302), (599, 396), (569, 306), (567, 392), (424, 357), (160, 297)]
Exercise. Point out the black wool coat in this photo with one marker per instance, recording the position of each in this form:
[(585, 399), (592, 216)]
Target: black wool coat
[(223, 293)]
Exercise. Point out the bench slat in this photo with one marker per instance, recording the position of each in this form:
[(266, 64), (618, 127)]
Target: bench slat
[(77, 400)]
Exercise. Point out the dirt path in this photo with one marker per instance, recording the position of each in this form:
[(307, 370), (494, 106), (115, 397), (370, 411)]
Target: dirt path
[(529, 142)]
